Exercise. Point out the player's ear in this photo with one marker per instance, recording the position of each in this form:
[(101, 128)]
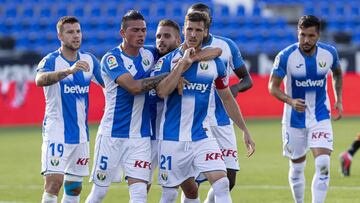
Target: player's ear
[(59, 35), (122, 33)]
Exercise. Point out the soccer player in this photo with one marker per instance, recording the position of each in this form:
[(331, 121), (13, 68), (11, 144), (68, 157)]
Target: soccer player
[(123, 139), (306, 118), (346, 157), (221, 126), (65, 75), (186, 142)]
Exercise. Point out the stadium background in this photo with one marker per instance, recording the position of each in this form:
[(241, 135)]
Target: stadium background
[(261, 28)]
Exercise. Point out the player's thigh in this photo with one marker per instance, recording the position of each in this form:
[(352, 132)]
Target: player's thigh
[(226, 138), (321, 135), (107, 155), (154, 158), (295, 144), (55, 156), (137, 160), (175, 162), (79, 160), (208, 158)]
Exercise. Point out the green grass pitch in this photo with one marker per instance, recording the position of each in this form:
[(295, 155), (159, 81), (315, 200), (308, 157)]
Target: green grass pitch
[(262, 178)]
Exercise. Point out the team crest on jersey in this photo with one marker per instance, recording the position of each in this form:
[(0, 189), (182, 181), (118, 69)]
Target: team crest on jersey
[(322, 64), (54, 161), (164, 176), (158, 65), (101, 176), (42, 63), (204, 66), (276, 62), (146, 62), (111, 62)]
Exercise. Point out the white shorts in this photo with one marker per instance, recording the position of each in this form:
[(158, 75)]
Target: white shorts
[(113, 156), (154, 158), (178, 161), (226, 138), (297, 141), (65, 158)]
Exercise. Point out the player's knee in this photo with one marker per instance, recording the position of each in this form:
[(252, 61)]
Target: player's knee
[(190, 190), (53, 187), (138, 192), (221, 186), (72, 185)]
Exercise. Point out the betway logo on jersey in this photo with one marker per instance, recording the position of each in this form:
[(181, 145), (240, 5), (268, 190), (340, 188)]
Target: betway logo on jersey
[(309, 83), (196, 86), (75, 89)]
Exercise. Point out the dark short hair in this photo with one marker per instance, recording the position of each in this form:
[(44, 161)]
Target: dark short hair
[(197, 16), (65, 19), (131, 15), (202, 8), (309, 21), (170, 23)]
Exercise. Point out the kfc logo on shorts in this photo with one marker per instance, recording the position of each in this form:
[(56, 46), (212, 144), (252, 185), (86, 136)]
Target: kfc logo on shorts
[(320, 135), (142, 164), (82, 161), (214, 156), (229, 153)]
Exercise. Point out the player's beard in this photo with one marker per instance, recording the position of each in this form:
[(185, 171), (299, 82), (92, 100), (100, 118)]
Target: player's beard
[(72, 47), (308, 50)]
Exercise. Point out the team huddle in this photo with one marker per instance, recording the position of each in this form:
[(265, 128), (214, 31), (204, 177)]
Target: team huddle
[(170, 107)]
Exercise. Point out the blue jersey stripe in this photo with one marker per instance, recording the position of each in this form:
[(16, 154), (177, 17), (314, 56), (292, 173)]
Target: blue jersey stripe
[(321, 111), (71, 128), (122, 113), (199, 116), (220, 113), (145, 122), (172, 119)]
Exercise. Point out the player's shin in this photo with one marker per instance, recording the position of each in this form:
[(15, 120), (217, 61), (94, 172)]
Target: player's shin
[(210, 196), (48, 198), (169, 195), (138, 192), (321, 178), (97, 194), (221, 190), (72, 189), (297, 180)]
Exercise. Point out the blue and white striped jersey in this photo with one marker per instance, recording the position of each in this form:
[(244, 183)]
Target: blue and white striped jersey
[(305, 78), (183, 117), (126, 115), (67, 101), (232, 59)]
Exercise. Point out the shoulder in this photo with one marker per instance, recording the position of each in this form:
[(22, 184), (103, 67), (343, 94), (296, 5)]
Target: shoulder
[(327, 47), (285, 53), (88, 55)]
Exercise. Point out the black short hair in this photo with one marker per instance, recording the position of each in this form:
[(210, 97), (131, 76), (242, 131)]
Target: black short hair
[(65, 19), (202, 8), (309, 21), (131, 15), (170, 23), (197, 16)]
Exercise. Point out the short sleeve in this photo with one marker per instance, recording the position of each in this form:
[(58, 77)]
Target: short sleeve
[(237, 59), (96, 70), (279, 66), (113, 66), (47, 64), (221, 81)]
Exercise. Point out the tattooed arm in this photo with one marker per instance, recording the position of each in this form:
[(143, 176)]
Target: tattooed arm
[(50, 78), (139, 86)]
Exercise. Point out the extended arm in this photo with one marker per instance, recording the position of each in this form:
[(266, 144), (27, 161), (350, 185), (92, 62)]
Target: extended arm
[(275, 90), (234, 113), (245, 82), (207, 54), (171, 81), (139, 86), (50, 78), (337, 84)]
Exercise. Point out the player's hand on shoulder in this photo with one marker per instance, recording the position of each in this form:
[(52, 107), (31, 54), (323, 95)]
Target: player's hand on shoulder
[(250, 144), (80, 66), (339, 110)]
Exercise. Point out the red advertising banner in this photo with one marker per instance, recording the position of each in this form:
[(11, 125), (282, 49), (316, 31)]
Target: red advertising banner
[(255, 103)]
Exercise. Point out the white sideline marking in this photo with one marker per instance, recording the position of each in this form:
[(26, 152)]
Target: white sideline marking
[(203, 187)]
